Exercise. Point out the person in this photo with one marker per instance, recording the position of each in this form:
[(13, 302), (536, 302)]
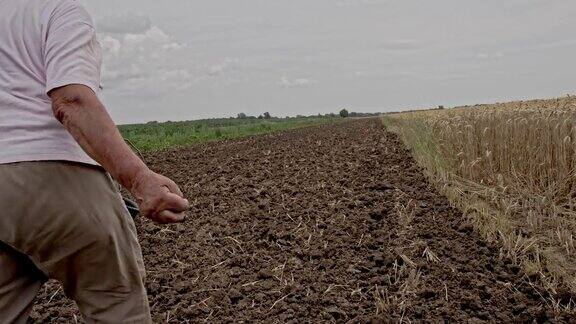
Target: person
[(61, 215)]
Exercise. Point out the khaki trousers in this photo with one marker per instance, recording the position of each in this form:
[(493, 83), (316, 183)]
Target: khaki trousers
[(68, 222)]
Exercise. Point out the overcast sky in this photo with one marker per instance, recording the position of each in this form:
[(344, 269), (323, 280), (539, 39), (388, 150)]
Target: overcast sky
[(192, 59)]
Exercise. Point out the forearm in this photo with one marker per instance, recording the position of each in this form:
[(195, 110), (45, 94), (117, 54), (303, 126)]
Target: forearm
[(84, 116), (88, 122)]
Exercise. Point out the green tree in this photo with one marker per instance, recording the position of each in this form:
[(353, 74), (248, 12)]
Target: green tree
[(343, 113)]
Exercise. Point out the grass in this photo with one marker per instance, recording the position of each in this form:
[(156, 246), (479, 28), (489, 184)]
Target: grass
[(511, 169), (156, 136)]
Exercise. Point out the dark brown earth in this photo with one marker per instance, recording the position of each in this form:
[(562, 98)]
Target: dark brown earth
[(325, 224)]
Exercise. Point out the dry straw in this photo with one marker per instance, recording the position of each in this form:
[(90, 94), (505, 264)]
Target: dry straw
[(511, 168)]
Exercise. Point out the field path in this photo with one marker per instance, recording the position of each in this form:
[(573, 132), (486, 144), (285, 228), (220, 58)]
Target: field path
[(330, 223)]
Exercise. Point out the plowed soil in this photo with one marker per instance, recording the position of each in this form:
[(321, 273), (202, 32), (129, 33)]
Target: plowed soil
[(333, 223)]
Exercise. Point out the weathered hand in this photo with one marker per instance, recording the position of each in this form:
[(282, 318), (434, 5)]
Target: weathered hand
[(159, 198)]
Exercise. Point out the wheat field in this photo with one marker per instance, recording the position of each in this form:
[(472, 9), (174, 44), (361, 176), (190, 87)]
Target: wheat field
[(511, 169)]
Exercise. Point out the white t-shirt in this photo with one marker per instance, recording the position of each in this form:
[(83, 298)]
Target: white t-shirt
[(44, 44)]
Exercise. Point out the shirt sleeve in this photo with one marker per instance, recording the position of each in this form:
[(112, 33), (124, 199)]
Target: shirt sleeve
[(72, 54)]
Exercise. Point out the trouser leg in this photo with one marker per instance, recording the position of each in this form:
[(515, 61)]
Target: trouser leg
[(20, 282), (76, 230), (105, 276)]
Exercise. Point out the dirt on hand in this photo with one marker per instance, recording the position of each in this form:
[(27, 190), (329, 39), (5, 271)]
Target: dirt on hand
[(334, 223)]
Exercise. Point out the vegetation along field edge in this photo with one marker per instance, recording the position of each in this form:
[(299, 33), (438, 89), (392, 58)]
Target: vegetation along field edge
[(511, 169)]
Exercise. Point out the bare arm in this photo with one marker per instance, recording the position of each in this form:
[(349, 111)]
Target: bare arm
[(85, 117)]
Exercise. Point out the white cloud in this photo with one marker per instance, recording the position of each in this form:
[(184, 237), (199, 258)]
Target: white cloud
[(124, 23), (291, 83), (145, 61), (141, 59), (222, 66)]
